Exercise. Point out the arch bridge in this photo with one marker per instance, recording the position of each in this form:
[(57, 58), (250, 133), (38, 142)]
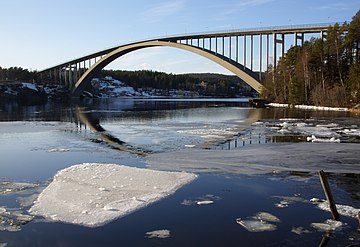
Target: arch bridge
[(240, 51)]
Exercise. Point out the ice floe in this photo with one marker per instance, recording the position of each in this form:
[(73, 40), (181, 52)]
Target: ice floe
[(315, 139), (259, 222), (344, 210), (328, 225), (265, 216), (287, 200), (315, 130), (203, 200), (94, 194), (299, 230), (158, 234), (7, 187), (12, 220), (61, 150)]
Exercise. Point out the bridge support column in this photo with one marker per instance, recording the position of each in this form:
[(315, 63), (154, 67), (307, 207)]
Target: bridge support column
[(298, 37), (216, 45), (237, 49), (280, 41), (251, 51), (244, 51), (260, 58), (223, 46)]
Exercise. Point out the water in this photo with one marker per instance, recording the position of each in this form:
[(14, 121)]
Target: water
[(38, 141)]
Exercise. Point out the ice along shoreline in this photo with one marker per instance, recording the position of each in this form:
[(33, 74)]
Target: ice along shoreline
[(308, 107)]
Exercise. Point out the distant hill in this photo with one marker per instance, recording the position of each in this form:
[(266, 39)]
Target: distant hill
[(207, 84)]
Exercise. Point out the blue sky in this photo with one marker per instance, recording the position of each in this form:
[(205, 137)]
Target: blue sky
[(37, 34)]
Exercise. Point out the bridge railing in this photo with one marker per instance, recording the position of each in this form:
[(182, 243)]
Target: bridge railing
[(229, 32)]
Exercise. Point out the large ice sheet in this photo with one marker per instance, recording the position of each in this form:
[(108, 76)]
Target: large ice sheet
[(262, 159), (94, 194)]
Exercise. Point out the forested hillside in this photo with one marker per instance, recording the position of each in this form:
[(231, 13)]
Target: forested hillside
[(206, 84), (321, 71), (16, 74)]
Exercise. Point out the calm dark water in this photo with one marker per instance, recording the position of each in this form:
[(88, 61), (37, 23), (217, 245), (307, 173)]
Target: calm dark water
[(38, 141)]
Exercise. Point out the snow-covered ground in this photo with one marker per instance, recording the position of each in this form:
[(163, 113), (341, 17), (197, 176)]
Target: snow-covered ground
[(111, 88), (309, 107)]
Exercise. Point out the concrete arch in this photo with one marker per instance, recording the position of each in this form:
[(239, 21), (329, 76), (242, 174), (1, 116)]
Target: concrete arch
[(237, 69)]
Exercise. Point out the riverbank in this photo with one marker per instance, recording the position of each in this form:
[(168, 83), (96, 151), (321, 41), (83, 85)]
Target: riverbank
[(308, 107)]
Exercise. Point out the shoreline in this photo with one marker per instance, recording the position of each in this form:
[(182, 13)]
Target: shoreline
[(309, 107)]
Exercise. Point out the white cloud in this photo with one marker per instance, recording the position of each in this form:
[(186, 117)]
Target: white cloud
[(165, 9)]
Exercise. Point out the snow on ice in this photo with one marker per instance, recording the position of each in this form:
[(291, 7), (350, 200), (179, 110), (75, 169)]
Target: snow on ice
[(158, 234), (13, 187), (328, 225), (309, 107), (343, 210), (94, 194), (259, 222)]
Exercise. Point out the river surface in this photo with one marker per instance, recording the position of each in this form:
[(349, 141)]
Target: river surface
[(38, 141)]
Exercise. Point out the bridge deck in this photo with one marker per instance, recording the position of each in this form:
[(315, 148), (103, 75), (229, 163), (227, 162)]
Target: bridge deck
[(310, 28)]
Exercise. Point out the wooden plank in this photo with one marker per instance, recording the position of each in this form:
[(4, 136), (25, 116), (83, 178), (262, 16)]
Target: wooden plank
[(328, 194)]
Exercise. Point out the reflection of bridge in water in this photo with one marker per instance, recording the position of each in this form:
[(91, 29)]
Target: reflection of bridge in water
[(93, 123), (240, 51)]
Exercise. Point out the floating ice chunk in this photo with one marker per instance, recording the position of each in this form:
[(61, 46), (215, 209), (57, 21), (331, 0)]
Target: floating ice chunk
[(351, 132), (282, 204), (315, 200), (13, 187), (204, 202), (289, 119), (287, 200), (158, 234), (278, 105), (299, 230), (267, 217), (53, 150), (301, 125), (330, 125), (92, 207), (29, 85), (259, 222), (189, 146), (3, 244), (13, 220), (322, 108), (328, 225), (255, 225), (315, 139), (344, 210), (285, 125)]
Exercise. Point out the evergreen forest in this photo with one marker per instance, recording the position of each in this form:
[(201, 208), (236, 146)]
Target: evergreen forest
[(323, 71)]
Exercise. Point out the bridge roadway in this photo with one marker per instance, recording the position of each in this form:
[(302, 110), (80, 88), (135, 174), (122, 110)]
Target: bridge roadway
[(234, 50)]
